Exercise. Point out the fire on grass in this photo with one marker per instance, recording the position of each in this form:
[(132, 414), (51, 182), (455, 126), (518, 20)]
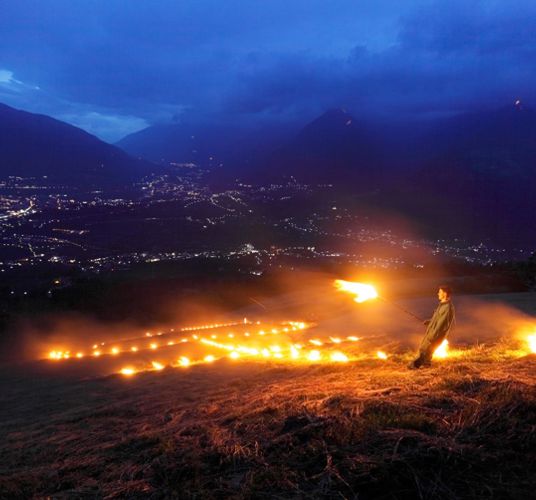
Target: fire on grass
[(243, 340), (363, 292), (286, 342)]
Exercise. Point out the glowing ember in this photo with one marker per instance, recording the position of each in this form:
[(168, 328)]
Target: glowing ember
[(352, 339), (532, 343), (127, 371), (381, 355), (335, 340), (294, 353), (79, 355), (184, 361), (115, 351), (209, 359), (316, 342), (157, 366), (96, 354), (339, 357), (314, 356), (442, 350), (234, 355), (361, 291), (153, 346), (134, 349)]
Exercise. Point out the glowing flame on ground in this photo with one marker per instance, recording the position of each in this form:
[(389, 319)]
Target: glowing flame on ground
[(361, 291), (314, 356), (531, 339), (209, 359), (127, 371), (184, 361), (381, 355), (442, 351), (157, 366), (234, 355), (339, 357)]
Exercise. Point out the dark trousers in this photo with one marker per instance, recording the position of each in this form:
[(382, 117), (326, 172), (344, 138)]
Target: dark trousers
[(426, 351)]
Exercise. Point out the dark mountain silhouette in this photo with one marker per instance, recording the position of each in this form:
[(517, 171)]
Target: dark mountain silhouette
[(34, 145), (231, 146), (334, 148), (477, 173)]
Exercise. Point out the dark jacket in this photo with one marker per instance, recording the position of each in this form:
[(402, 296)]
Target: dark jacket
[(441, 322)]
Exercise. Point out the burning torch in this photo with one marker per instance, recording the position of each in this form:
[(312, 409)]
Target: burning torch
[(364, 292)]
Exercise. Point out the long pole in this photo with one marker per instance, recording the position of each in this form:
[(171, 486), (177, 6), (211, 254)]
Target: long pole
[(401, 308)]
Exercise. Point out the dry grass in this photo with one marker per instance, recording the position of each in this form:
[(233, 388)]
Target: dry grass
[(464, 429)]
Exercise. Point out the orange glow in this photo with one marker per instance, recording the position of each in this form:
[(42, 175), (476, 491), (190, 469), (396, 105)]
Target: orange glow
[(335, 340), (184, 361), (531, 339), (339, 357), (234, 355), (209, 359), (442, 351), (361, 291), (153, 346), (127, 371), (79, 355), (314, 356), (381, 355), (352, 339), (134, 349), (115, 351), (157, 366), (96, 354)]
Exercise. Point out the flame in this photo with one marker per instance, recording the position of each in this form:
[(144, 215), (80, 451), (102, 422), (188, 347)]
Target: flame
[(314, 356), (361, 291), (115, 351), (442, 351), (381, 355), (184, 361), (234, 355), (339, 357), (209, 359), (157, 366), (127, 371), (531, 339)]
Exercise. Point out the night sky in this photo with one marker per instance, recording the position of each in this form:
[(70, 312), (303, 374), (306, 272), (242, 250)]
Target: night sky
[(113, 67)]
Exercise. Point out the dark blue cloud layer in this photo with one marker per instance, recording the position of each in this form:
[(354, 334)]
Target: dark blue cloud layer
[(113, 67)]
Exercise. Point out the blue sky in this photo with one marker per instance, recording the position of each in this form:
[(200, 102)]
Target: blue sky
[(113, 67)]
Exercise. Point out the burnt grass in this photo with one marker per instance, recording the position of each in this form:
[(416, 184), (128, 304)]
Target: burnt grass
[(465, 428)]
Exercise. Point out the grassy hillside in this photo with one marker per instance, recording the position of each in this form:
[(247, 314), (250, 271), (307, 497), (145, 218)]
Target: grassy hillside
[(367, 429)]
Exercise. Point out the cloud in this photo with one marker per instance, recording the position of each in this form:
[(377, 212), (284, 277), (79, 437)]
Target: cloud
[(278, 59)]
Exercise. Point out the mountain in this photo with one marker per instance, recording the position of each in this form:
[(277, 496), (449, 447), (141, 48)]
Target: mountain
[(33, 145), (334, 148), (477, 173), (230, 145)]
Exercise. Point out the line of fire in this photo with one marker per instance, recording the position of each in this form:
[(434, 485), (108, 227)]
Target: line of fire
[(290, 341)]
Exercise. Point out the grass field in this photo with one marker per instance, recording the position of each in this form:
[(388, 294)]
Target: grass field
[(465, 428)]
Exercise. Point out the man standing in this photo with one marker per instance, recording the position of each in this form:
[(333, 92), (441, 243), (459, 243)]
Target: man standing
[(438, 328)]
